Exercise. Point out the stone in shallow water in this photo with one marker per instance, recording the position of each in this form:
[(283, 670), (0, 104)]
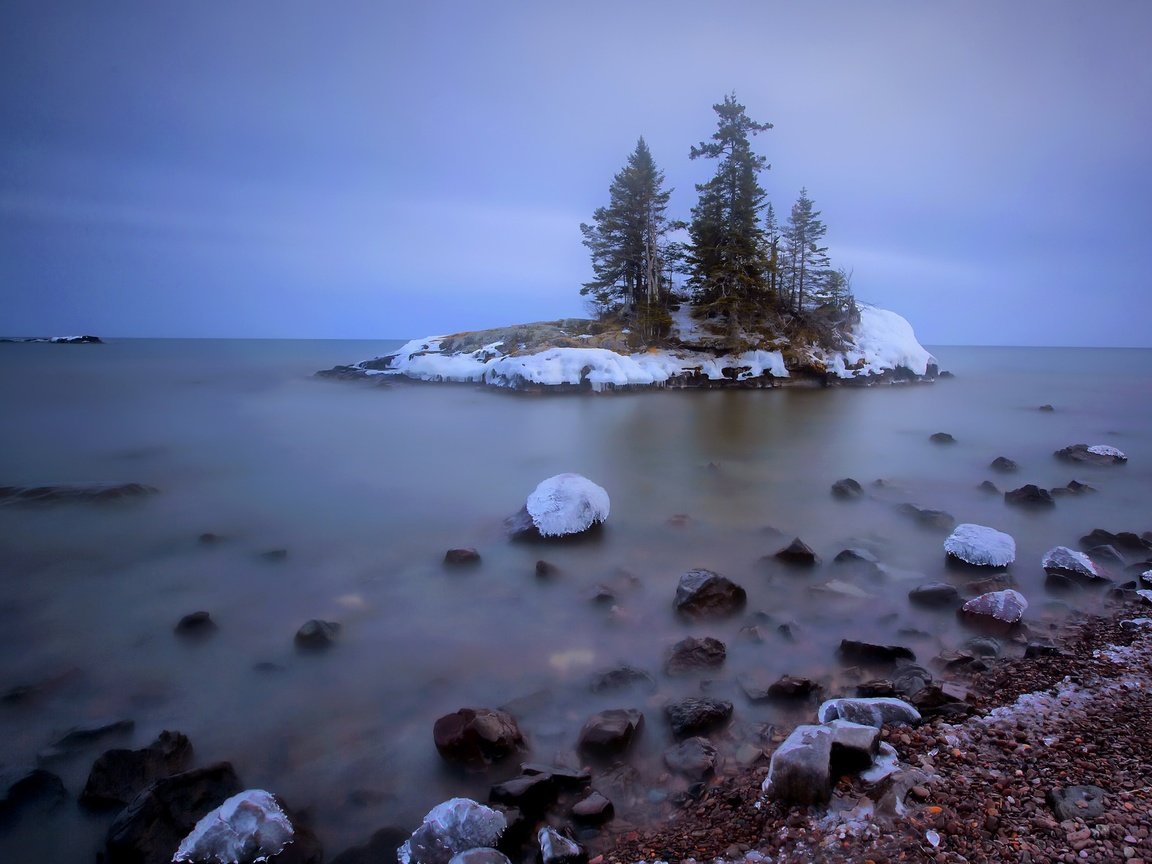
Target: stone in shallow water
[(317, 635), (941, 438), (1029, 495), (1096, 454), (564, 505), (455, 826), (1005, 606), (475, 737), (1063, 561), (246, 828), (866, 652), (798, 552), (981, 546), (691, 654), (695, 758), (1003, 464), (704, 594), (117, 776), (611, 732), (934, 594), (798, 772), (876, 712), (697, 716), (847, 488)]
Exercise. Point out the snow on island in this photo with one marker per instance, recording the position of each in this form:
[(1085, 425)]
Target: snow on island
[(880, 345)]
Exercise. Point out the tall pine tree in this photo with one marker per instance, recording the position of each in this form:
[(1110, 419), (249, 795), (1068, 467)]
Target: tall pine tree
[(626, 238), (727, 253), (805, 260)]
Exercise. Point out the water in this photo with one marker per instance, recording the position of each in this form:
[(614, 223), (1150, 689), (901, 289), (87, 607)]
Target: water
[(367, 488)]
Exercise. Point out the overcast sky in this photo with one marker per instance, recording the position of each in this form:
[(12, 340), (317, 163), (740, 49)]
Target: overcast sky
[(395, 169)]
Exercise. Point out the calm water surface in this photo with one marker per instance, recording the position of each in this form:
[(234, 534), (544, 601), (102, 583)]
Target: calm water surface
[(367, 488)]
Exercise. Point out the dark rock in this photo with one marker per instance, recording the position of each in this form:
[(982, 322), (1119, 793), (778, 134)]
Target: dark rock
[(798, 552), (1039, 649), (799, 772), (195, 624), (83, 737), (866, 652), (910, 679), (787, 687), (468, 557), (555, 848), (594, 809), (209, 539), (697, 716), (989, 487), (1029, 495), (118, 776), (941, 438), (74, 493), (946, 374), (935, 594), (621, 678), (931, 699), (1078, 488), (532, 794), (704, 594), (692, 654), (317, 635), (476, 737), (1081, 453), (568, 779), (983, 646), (1004, 465), (150, 828), (610, 733), (33, 789), (274, 556), (678, 520), (880, 687), (1046, 408), (936, 519), (603, 595), (694, 758), (1106, 555), (847, 488), (545, 570), (855, 555), (1077, 802), (854, 747), (995, 608)]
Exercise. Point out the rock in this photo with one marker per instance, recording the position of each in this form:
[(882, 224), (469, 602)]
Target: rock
[(786, 687), (869, 712), (561, 506), (983, 646), (694, 758), (798, 552), (936, 699), (274, 556), (704, 594), (621, 678), (697, 716), (799, 771), (317, 635), (83, 737), (454, 826), (150, 828), (865, 652), (910, 679), (854, 746), (876, 688), (934, 594), (74, 493), (467, 557), (1040, 649), (1006, 607), (248, 827), (989, 487), (1046, 408), (1004, 465), (1029, 495), (34, 789), (594, 809), (610, 733), (855, 555), (1062, 561), (980, 546), (565, 778), (532, 794), (1128, 540), (118, 776), (1097, 454), (1077, 802), (545, 570), (480, 855), (847, 488), (1106, 554), (692, 654), (555, 848), (941, 438), (935, 519), (476, 737), (195, 624)]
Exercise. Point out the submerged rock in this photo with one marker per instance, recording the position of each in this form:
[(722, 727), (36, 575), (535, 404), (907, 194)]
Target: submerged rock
[(941, 438), (697, 716), (981, 546), (692, 654), (704, 594), (81, 738), (934, 594), (937, 519), (847, 488), (466, 557), (475, 737), (33, 789), (450, 828), (695, 758), (866, 652), (195, 624), (610, 733), (798, 552), (118, 776), (621, 678), (561, 506), (317, 635), (1004, 465), (1029, 495)]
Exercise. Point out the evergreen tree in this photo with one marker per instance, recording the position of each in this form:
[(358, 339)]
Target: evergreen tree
[(626, 236), (772, 251), (805, 260), (727, 254)]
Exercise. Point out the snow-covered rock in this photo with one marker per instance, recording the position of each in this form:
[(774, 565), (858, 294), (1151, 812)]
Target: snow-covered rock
[(981, 545), (876, 711), (1063, 561), (1007, 606), (882, 342), (1107, 450), (562, 505), (452, 827), (246, 828), (1096, 454)]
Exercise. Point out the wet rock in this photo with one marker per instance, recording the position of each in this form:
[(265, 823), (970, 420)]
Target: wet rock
[(274, 556), (1097, 454), (610, 733), (934, 519), (476, 737), (1127, 540), (704, 594), (1078, 488), (854, 746), (847, 488), (1004, 465), (249, 827), (1029, 495), (454, 826), (934, 594), (799, 771), (1077, 802), (74, 493), (876, 712), (1106, 555), (594, 809), (466, 557), (910, 679), (545, 570), (568, 779), (880, 687), (565, 505), (694, 758), (81, 738), (941, 699), (786, 687), (980, 546), (983, 646), (28, 790), (941, 438), (855, 555), (692, 654), (195, 625), (989, 487), (1041, 649), (118, 776), (1046, 408), (1062, 561), (150, 828), (532, 794), (697, 716), (317, 635), (799, 553), (1003, 607), (866, 652), (555, 848), (621, 678)]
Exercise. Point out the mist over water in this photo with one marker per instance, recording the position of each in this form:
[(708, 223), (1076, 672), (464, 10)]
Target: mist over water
[(366, 488)]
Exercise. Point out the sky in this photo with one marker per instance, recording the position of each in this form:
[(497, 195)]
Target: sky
[(393, 169)]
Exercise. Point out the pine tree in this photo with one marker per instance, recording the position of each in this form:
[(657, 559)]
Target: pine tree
[(805, 260), (626, 237), (772, 251), (727, 253)]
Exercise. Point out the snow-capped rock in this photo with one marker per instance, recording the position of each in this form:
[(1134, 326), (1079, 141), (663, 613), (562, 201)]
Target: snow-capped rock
[(981, 545), (1096, 454), (246, 828), (1061, 560), (876, 711), (1005, 606), (560, 506), (452, 827)]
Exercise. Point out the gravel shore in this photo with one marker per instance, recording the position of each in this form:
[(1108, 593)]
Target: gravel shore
[(978, 789)]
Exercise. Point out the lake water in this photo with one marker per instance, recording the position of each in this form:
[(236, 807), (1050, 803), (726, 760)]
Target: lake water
[(366, 488)]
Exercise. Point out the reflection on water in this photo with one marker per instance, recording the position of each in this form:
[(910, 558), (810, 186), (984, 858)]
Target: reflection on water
[(367, 488)]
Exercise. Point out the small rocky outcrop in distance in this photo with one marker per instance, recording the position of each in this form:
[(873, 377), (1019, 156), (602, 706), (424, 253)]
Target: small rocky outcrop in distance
[(74, 493), (195, 625), (704, 594), (317, 635), (1096, 454), (941, 438), (465, 557), (476, 737)]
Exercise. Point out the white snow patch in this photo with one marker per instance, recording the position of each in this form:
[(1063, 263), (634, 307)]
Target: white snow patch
[(884, 341), (247, 827), (872, 711), (1106, 450), (567, 504), (979, 544)]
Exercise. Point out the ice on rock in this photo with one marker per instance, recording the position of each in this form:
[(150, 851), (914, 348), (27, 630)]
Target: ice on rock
[(981, 545), (455, 826), (1106, 450), (875, 711), (1007, 605), (1061, 559), (567, 504), (246, 828)]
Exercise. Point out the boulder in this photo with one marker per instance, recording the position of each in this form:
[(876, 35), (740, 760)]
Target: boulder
[(83, 737), (593, 809), (118, 776), (694, 758), (1062, 561), (866, 652), (759, 686), (1127, 540), (531, 794), (1096, 454), (74, 493), (610, 733), (704, 594), (1106, 555), (195, 625), (621, 678), (878, 712), (555, 848), (989, 487), (33, 789), (692, 654), (697, 715), (317, 635), (854, 746), (1046, 408), (934, 594), (798, 552), (799, 771), (546, 570), (998, 607), (150, 828), (476, 737), (1077, 802), (854, 556), (561, 506), (941, 438), (980, 546), (1004, 465), (934, 519), (247, 828), (910, 679), (466, 557), (450, 828), (847, 488), (567, 779), (1029, 495)]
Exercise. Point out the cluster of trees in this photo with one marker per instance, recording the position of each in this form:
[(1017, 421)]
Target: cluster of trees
[(738, 259)]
